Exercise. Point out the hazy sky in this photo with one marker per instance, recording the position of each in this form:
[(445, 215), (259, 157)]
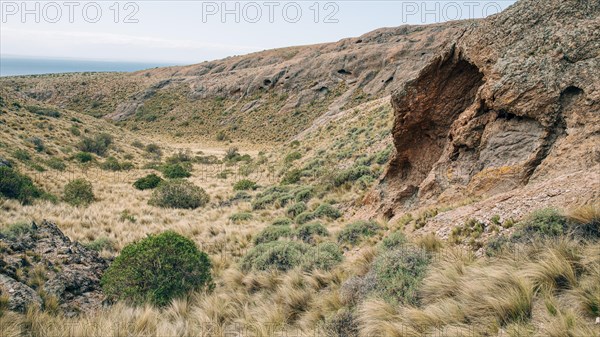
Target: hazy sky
[(194, 31)]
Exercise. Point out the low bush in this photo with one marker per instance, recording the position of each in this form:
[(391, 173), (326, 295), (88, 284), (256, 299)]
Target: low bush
[(351, 174), (21, 155), (272, 233), (154, 150), (286, 255), (356, 231), (308, 232), (327, 211), (179, 194), (38, 144), (83, 157), (98, 145), (395, 240), (157, 269), (56, 164), (303, 194), (273, 195), (112, 164), (100, 244), (399, 273), (174, 171), (295, 209), (14, 185), (245, 185), (41, 111), (281, 222), (292, 156), (239, 217), (78, 192), (291, 177), (150, 181), (305, 217), (15, 231)]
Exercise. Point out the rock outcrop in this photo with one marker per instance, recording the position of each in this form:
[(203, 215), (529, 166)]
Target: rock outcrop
[(512, 102), (39, 263)]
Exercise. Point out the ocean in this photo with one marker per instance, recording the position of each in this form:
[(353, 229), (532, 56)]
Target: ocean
[(13, 66)]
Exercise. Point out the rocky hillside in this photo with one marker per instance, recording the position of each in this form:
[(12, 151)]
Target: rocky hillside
[(510, 108), (264, 97)]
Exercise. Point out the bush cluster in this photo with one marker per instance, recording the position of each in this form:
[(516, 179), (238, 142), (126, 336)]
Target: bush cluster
[(322, 211), (83, 157), (286, 255), (179, 194), (157, 269), (112, 164), (14, 185)]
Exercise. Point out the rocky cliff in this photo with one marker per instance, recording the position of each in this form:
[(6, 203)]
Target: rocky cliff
[(512, 103)]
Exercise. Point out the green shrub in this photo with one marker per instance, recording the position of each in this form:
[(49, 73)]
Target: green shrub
[(15, 231), (98, 145), (38, 144), (296, 209), (325, 256), (286, 255), (239, 217), (395, 240), (75, 130), (292, 156), (351, 174), (399, 273), (274, 194), (78, 192), (305, 217), (112, 164), (179, 157), (278, 255), (244, 185), (383, 156), (38, 110), (309, 231), (303, 194), (150, 181), (157, 269), (14, 185), (56, 164), (179, 194), (174, 171), (291, 177), (154, 149), (354, 232), (327, 211), (100, 244), (547, 222), (83, 157), (137, 144), (272, 233), (21, 155), (281, 222)]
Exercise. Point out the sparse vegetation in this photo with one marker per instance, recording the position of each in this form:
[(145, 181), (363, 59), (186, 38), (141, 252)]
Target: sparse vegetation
[(98, 144)]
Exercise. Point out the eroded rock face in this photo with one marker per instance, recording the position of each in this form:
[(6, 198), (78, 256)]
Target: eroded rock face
[(512, 102), (41, 260)]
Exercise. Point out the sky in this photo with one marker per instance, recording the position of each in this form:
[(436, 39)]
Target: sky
[(185, 32)]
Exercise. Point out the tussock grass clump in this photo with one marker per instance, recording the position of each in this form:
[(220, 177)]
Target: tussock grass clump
[(150, 181), (179, 194), (157, 269), (586, 220), (356, 231), (79, 192)]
